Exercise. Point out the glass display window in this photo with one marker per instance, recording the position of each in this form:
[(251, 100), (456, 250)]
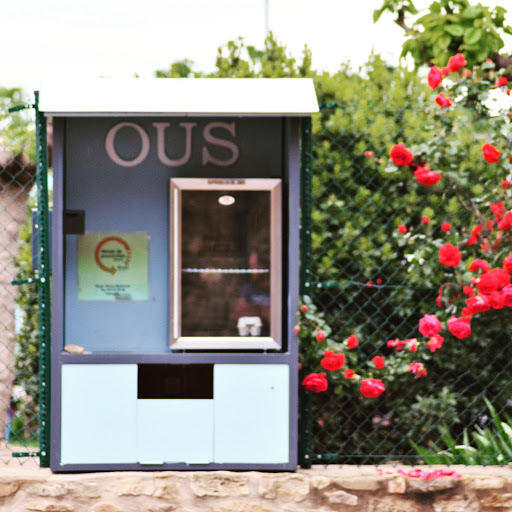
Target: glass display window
[(225, 264)]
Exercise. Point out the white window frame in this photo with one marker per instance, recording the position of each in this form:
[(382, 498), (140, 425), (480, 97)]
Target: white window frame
[(274, 341)]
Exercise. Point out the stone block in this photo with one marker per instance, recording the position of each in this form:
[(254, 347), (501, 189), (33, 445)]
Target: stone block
[(161, 508), (482, 483), (8, 489), (342, 497), (42, 506), (498, 500), (392, 504), (88, 490), (103, 506), (167, 490), (286, 488), (320, 482), (134, 487), (457, 505), (358, 483), (48, 490), (240, 506), (397, 485), (221, 483), (421, 485)]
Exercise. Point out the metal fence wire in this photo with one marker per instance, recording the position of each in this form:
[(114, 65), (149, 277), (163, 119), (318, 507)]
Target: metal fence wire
[(351, 268), (19, 346), (359, 278)]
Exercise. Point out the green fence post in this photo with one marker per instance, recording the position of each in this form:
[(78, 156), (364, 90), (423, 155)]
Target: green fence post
[(43, 269), (306, 201)]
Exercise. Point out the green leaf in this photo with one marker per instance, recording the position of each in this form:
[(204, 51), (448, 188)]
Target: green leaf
[(473, 35), (443, 42), (454, 30), (472, 12), (377, 14)]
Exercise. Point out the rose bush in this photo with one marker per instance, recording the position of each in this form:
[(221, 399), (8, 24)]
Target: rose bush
[(475, 256)]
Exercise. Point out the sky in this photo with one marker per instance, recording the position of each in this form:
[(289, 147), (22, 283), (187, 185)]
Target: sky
[(122, 38)]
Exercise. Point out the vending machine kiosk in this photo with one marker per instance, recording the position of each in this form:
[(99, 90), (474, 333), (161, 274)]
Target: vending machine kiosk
[(175, 242)]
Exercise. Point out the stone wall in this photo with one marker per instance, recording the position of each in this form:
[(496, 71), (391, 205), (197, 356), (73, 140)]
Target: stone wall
[(321, 489)]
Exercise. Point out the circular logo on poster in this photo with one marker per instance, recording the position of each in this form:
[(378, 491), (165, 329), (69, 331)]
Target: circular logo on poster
[(113, 254)]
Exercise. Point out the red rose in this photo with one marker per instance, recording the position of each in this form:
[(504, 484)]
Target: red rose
[(449, 255), (402, 229), (425, 220), (445, 226), (429, 325), (434, 77), (443, 101), (479, 264), (487, 283), (417, 368), (468, 290), (505, 184), (315, 382), (379, 280), (378, 361), (426, 176), (304, 308), (475, 235), (502, 80), (456, 62), (445, 71), (459, 327), (498, 209), (502, 277), (352, 341), (372, 388), (497, 300), (296, 329), (507, 263), (320, 336), (400, 155), (398, 344), (332, 361), (506, 295), (413, 345), (491, 154), (478, 304), (348, 373), (506, 222), (435, 342)]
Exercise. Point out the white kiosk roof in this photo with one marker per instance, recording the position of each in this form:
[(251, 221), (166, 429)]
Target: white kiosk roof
[(180, 96)]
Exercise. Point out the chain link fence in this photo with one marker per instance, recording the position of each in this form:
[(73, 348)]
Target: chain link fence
[(363, 284), (359, 278), (19, 381)]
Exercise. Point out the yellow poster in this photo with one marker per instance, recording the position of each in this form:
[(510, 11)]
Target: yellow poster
[(113, 266)]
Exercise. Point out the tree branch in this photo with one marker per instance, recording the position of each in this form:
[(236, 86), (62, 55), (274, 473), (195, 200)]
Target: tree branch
[(400, 21)]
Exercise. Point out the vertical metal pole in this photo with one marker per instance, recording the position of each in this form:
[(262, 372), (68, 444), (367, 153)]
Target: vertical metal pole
[(44, 286), (306, 200)]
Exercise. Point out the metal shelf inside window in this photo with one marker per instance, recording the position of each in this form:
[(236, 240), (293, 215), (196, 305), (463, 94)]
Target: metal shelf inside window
[(225, 270)]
